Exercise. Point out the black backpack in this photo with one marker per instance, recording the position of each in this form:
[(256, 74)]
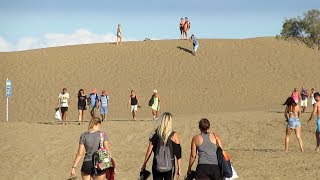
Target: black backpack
[(151, 101)]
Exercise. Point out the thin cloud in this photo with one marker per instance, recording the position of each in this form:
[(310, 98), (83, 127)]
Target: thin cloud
[(80, 36)]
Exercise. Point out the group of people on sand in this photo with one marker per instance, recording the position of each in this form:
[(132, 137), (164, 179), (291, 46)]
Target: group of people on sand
[(203, 145), (292, 114), (184, 27), (94, 102)]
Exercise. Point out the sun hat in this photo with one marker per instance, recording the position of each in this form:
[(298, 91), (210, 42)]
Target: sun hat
[(155, 91)]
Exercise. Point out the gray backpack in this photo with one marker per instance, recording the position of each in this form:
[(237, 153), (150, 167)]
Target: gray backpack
[(164, 155)]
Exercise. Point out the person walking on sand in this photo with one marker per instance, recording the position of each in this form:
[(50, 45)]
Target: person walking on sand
[(133, 103), (195, 44), (104, 105), (313, 101), (88, 144), (304, 98), (292, 114), (181, 27), (316, 111), (63, 104), (155, 104), (82, 105), (186, 27), (93, 102), (205, 144), (164, 141), (295, 95), (119, 34)]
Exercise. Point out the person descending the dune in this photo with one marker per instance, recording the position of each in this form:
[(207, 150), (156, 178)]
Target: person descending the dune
[(292, 114), (304, 98), (295, 95), (154, 102), (63, 104), (133, 104), (93, 102), (195, 44), (104, 105), (313, 101)]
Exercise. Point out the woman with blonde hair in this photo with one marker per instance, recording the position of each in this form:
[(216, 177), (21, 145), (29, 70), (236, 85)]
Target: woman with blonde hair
[(164, 138), (88, 144)]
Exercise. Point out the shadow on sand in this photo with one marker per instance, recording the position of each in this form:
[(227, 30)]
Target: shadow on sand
[(186, 50)]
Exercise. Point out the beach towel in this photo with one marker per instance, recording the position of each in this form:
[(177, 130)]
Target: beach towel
[(111, 171)]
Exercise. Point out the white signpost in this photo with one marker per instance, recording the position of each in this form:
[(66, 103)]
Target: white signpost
[(8, 94)]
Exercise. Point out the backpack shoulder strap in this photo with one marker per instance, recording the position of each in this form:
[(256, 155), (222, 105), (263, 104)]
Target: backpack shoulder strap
[(216, 140), (101, 139)]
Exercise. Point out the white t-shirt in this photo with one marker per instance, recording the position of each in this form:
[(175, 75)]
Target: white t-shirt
[(64, 99)]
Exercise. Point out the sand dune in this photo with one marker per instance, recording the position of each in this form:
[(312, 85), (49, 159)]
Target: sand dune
[(238, 84)]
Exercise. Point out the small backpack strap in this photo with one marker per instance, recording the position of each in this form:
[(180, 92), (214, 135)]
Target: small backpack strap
[(101, 139)]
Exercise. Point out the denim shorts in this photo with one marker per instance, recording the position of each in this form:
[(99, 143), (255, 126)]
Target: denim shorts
[(294, 123), (318, 125), (103, 110)]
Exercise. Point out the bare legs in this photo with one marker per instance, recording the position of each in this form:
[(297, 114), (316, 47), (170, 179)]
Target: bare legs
[(88, 177), (119, 39), (103, 117), (134, 115), (298, 135), (81, 116), (318, 141), (155, 114), (64, 117)]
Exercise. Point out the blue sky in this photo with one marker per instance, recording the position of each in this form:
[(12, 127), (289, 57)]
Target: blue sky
[(32, 22)]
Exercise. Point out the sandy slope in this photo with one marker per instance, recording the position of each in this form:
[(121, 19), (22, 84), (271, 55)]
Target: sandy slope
[(238, 84)]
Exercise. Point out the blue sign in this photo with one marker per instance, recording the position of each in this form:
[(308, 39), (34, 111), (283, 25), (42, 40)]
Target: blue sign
[(8, 88)]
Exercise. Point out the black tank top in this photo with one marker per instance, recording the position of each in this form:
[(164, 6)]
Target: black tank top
[(134, 100)]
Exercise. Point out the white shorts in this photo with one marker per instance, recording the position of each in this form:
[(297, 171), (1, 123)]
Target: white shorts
[(313, 101), (304, 103), (134, 108)]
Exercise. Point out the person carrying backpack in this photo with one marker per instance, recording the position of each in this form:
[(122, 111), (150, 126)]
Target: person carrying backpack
[(93, 102), (165, 144), (104, 103)]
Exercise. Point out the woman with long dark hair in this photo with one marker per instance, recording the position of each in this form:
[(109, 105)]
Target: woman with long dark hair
[(82, 105), (292, 114)]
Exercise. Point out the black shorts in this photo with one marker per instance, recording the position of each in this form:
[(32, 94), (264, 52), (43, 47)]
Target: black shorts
[(208, 172), (63, 109), (87, 168), (181, 29), (82, 107)]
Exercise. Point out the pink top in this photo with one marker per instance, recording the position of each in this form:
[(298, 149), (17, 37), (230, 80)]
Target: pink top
[(295, 96)]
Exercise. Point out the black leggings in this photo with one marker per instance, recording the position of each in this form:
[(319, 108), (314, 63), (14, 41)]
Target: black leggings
[(162, 175), (208, 172)]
